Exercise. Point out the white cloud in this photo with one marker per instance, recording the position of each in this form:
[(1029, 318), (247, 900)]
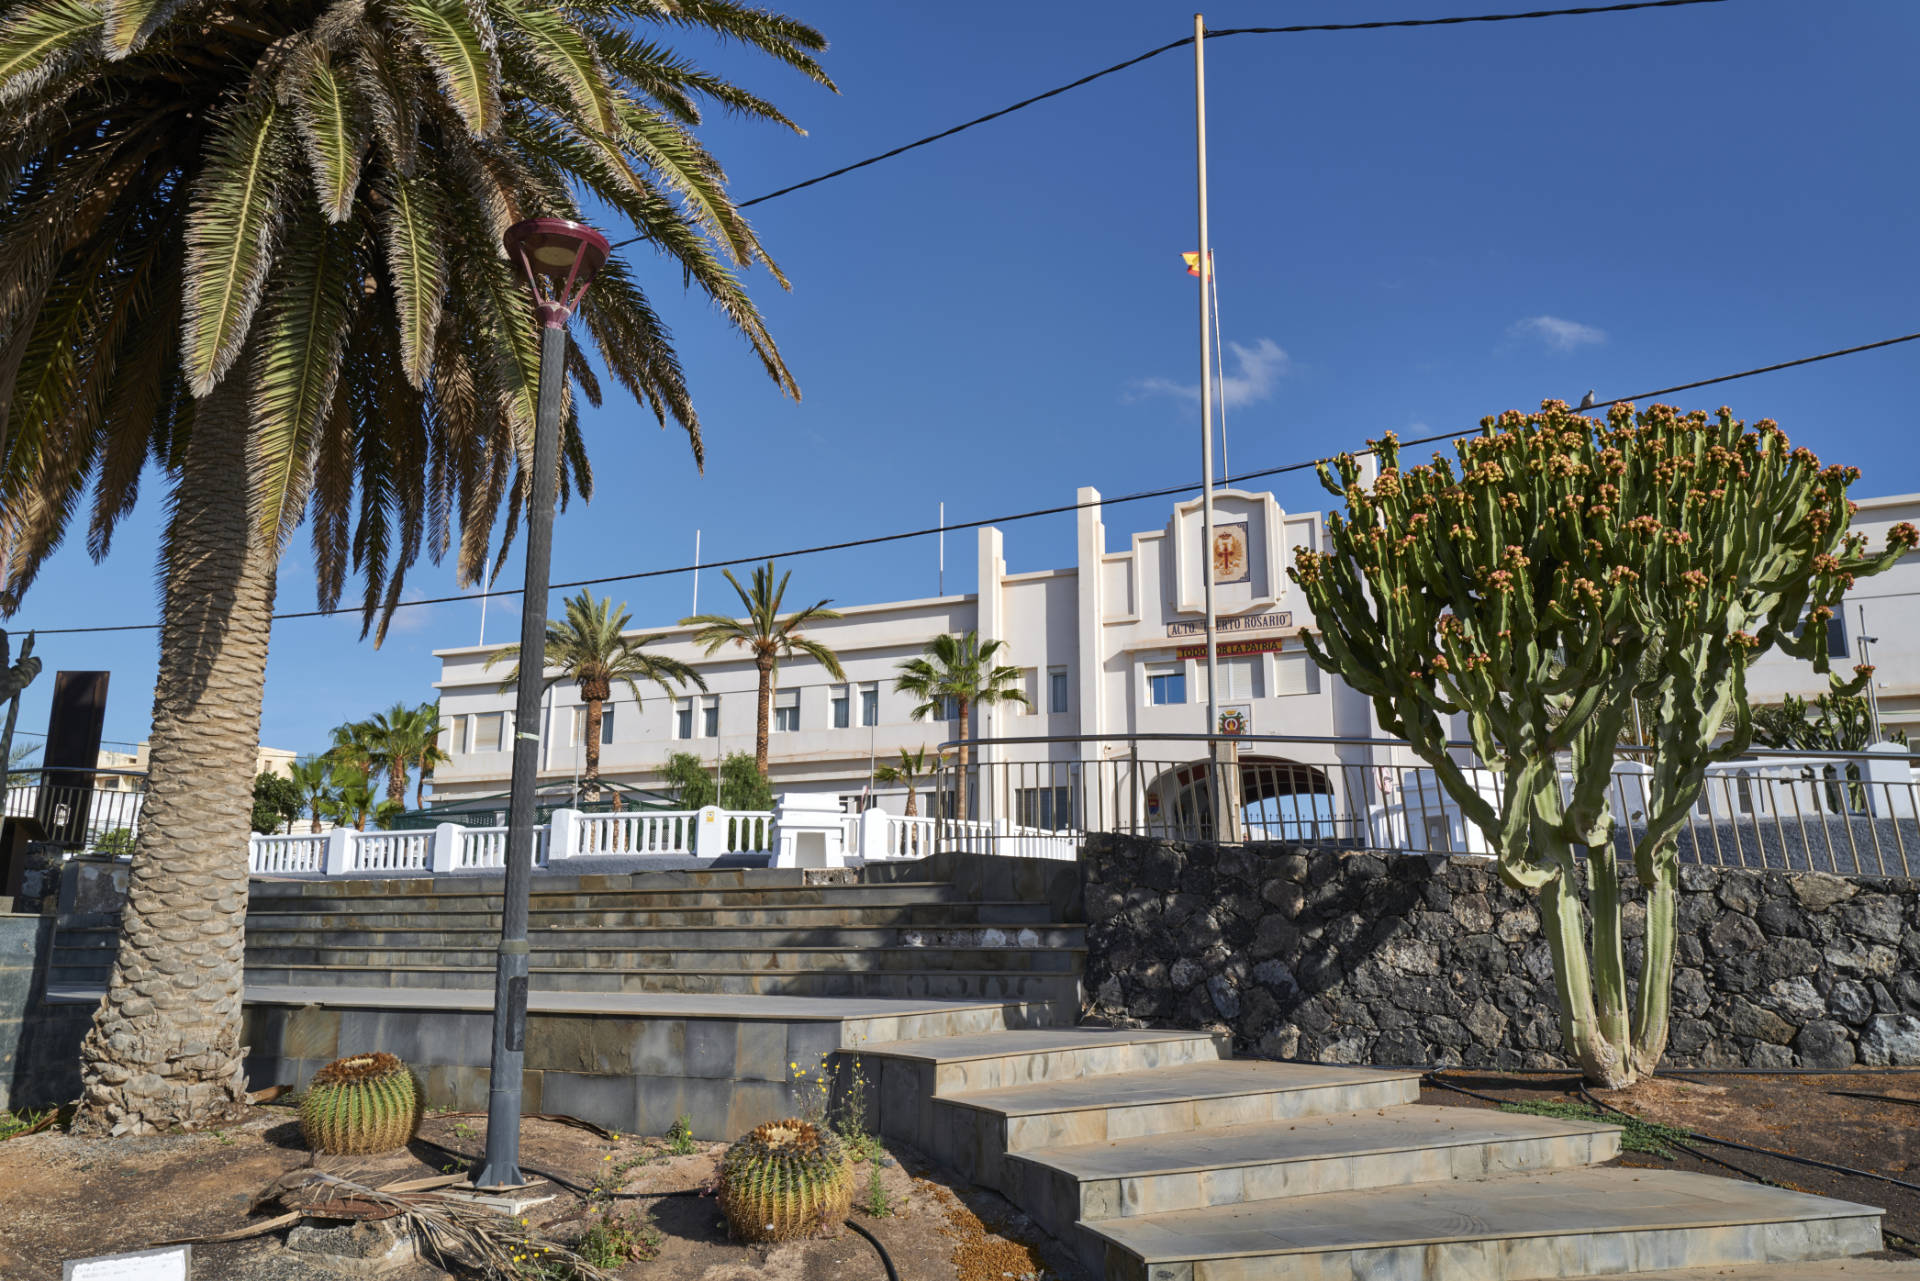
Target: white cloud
[(1560, 335), (1257, 369)]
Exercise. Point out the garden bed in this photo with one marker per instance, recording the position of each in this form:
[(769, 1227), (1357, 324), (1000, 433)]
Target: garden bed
[(1866, 1121), (73, 1198)]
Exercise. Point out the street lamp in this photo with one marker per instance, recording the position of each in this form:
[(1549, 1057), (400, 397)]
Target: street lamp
[(559, 259)]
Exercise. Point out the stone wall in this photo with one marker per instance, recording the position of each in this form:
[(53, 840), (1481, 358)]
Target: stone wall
[(39, 1041), (1350, 957)]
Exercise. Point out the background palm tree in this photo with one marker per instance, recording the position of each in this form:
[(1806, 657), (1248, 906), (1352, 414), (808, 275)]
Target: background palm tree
[(961, 671), (352, 799), (398, 737), (768, 637), (313, 777), (228, 246), (909, 769), (588, 647), (429, 754)]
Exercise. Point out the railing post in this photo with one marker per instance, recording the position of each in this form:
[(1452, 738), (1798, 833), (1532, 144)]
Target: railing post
[(563, 835), (871, 843), (710, 832), (1889, 781), (445, 855), (339, 852)]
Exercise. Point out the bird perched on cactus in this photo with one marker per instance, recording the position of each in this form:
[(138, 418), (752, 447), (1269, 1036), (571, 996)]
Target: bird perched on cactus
[(361, 1105), (785, 1180), (1558, 570)]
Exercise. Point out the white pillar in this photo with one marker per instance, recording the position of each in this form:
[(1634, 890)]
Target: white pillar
[(710, 832), (563, 835), (339, 851), (445, 856), (873, 835), (807, 831), (1889, 781)]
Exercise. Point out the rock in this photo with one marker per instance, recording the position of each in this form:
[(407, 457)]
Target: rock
[(1487, 1024), (1891, 1040), (1690, 995), (1734, 936), (1782, 919), (1185, 974), (1284, 896), (1851, 1001), (1749, 1019), (1824, 1044), (1473, 912), (1875, 915), (1516, 925), (1797, 999), (1225, 999), (1281, 1043), (1411, 956), (1277, 976), (363, 1249), (1854, 957), (1275, 934), (1740, 893), (1818, 891)]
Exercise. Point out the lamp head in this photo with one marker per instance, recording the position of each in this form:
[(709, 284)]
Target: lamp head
[(559, 258)]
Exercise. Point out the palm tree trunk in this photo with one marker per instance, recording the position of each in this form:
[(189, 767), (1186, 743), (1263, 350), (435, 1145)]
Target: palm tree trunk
[(966, 792), (911, 803), (314, 825), (397, 783), (165, 1046), (420, 788), (766, 714), (590, 780)]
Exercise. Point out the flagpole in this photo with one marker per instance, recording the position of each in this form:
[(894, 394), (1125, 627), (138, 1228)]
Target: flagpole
[(943, 549), (1220, 373), (1206, 373), (696, 572)]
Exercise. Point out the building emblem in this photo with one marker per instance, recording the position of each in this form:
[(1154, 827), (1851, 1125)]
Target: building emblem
[(1230, 553)]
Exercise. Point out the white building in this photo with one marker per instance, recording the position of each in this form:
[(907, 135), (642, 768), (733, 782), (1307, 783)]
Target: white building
[(1109, 647)]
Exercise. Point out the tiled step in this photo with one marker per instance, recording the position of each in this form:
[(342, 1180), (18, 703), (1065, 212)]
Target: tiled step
[(416, 896), (751, 959), (929, 984), (1301, 1157), (974, 1130), (1848, 1269), (355, 934), (1563, 1224), (375, 914)]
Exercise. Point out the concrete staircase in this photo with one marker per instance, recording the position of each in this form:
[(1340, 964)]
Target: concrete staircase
[(1153, 1155), (740, 932)]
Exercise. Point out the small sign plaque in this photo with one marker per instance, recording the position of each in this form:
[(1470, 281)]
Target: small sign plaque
[(168, 1263), (1237, 623)]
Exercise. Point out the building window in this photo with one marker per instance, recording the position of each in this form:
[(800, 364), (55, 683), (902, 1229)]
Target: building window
[(1050, 808), (1167, 684), (1295, 674), (1240, 678), (457, 736), (786, 711), (710, 716), (948, 708), (683, 718), (842, 706), (1836, 633), (1056, 689), (606, 723), (487, 730), (870, 704)]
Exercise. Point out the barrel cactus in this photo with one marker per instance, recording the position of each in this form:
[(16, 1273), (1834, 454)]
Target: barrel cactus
[(359, 1105), (784, 1180)]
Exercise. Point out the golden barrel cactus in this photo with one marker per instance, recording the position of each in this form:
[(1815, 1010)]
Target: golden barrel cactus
[(360, 1105), (784, 1180)]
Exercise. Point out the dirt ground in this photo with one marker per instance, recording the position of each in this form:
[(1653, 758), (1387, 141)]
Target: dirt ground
[(1865, 1120), (68, 1198)]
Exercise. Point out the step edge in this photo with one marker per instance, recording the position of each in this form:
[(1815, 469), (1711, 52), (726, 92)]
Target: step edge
[(882, 1052)]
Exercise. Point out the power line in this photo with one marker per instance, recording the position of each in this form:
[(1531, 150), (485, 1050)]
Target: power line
[(977, 121), (932, 530)]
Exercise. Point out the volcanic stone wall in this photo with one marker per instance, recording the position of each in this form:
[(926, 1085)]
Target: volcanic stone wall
[(1389, 959)]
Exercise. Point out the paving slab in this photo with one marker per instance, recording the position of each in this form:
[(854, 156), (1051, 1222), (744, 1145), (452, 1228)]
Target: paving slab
[(1815, 1270), (1039, 1040), (1563, 1204), (1381, 1131), (1223, 1078)]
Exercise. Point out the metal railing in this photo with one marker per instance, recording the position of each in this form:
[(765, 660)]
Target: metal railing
[(77, 808), (1850, 813)]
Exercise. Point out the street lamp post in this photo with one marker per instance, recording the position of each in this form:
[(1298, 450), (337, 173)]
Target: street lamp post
[(559, 259)]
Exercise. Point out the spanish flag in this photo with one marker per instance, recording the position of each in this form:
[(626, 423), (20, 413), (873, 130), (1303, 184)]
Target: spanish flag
[(1193, 262)]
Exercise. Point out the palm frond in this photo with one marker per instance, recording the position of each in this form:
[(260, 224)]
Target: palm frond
[(332, 122), (413, 234), (38, 41), (130, 22), (232, 222), (457, 51)]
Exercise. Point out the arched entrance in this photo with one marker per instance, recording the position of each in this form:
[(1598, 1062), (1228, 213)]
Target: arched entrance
[(1280, 800)]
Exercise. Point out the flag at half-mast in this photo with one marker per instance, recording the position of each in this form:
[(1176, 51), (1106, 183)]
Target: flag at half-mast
[(1193, 261)]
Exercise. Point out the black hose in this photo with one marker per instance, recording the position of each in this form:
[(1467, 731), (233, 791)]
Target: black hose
[(886, 1260)]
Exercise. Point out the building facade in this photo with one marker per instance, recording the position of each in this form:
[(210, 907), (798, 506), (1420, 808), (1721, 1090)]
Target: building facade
[(1111, 651)]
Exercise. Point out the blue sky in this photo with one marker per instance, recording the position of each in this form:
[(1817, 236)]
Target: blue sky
[(1414, 229)]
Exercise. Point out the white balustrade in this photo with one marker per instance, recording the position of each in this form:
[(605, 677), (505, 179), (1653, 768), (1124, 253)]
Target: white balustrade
[(392, 851), (287, 855)]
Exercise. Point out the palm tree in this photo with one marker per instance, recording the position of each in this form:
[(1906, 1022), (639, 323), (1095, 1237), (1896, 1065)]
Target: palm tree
[(909, 769), (398, 736), (589, 648), (959, 671), (258, 245), (355, 751), (768, 637), (429, 753), (313, 777), (353, 797)]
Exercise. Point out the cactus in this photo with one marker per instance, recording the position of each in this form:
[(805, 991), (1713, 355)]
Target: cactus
[(1563, 569), (360, 1105), (784, 1180)]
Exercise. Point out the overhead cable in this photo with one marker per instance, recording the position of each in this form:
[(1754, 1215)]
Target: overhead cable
[(1006, 519)]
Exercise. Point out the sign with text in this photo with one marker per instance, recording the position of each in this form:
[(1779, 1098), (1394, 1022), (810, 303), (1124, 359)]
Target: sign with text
[(169, 1263), (1234, 648), (1243, 623)]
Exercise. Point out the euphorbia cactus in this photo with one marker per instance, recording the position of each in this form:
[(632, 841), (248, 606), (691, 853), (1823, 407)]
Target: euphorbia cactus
[(1561, 568)]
